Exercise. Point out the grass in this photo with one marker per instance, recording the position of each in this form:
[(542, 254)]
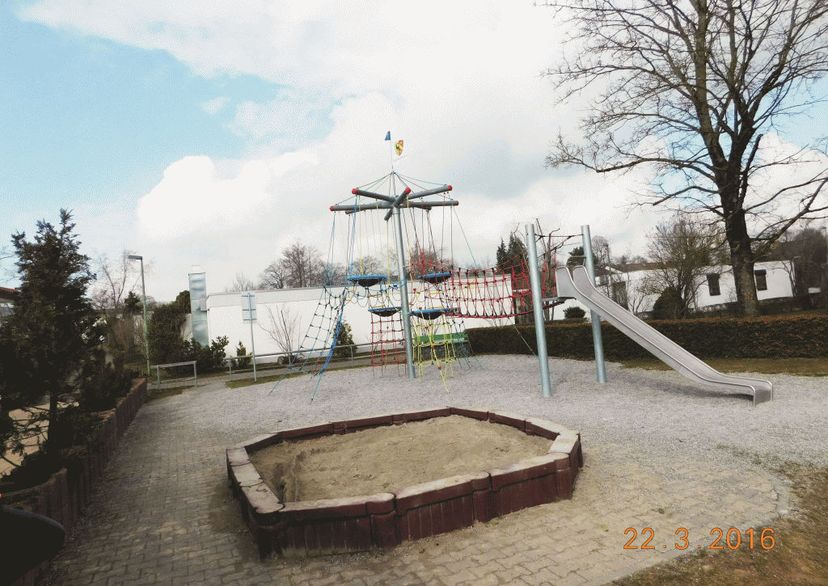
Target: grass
[(800, 555), (154, 395), (794, 366)]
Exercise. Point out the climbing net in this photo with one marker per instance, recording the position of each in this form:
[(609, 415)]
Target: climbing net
[(441, 295)]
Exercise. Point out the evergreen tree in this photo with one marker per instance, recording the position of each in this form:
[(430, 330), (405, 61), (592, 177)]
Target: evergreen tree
[(52, 329), (501, 256)]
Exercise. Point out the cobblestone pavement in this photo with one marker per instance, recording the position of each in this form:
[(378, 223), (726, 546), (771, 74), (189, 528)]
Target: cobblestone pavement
[(163, 513)]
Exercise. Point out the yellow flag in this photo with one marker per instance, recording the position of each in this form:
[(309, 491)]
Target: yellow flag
[(398, 147)]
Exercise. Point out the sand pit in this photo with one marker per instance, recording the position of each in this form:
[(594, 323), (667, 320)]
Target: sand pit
[(389, 458)]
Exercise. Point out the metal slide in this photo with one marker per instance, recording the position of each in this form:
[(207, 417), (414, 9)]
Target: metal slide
[(581, 287)]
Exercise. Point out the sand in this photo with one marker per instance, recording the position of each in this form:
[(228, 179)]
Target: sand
[(386, 459)]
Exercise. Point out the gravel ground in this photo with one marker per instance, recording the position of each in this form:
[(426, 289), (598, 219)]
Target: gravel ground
[(656, 410)]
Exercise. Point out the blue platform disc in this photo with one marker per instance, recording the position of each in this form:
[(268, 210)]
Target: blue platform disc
[(384, 311), (433, 313), (435, 278), (367, 280)]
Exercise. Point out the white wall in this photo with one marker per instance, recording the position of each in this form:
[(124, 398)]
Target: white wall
[(777, 276), (224, 316), (778, 279)]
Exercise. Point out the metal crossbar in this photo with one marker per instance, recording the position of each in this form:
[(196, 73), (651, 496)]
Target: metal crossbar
[(158, 368)]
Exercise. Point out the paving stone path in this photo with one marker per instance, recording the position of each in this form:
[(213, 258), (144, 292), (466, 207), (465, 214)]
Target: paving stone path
[(163, 513)]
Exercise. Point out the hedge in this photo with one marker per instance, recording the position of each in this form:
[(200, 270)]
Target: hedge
[(778, 336)]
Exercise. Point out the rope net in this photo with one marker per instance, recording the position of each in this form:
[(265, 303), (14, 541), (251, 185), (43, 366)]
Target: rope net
[(494, 294)]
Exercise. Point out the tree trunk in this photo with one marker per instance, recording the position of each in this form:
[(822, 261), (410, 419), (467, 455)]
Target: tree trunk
[(53, 410), (741, 258)]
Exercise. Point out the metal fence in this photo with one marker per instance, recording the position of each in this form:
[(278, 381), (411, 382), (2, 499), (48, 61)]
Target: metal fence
[(273, 365), (158, 368)]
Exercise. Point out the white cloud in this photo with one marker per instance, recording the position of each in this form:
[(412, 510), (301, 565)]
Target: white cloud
[(289, 119), (215, 105), (459, 81)]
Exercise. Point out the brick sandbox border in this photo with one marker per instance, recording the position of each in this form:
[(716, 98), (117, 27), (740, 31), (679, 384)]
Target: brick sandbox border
[(360, 523)]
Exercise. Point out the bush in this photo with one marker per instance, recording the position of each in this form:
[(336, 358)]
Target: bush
[(574, 312), (72, 431), (208, 358), (783, 336), (289, 360), (344, 341), (668, 305), (241, 362), (102, 384), (164, 334)]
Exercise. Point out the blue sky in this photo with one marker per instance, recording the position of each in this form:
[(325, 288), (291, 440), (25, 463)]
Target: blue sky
[(214, 135), (90, 118)]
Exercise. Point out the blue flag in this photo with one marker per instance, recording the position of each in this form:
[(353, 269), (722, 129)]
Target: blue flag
[(388, 135)]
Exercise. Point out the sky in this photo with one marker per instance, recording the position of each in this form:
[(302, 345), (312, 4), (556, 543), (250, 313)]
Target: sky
[(215, 133)]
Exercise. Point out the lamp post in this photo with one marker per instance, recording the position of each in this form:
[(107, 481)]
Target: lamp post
[(144, 303)]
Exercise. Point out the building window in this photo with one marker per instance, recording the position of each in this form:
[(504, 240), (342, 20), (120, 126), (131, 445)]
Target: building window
[(761, 277), (713, 285)]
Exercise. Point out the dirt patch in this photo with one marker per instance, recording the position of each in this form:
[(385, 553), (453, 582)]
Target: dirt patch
[(386, 459)]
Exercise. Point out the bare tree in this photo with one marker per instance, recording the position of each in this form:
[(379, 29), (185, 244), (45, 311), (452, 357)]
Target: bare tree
[(687, 88), (116, 283), (333, 274), (240, 283), (301, 265), (681, 251), (283, 328), (273, 277), (115, 279), (805, 253)]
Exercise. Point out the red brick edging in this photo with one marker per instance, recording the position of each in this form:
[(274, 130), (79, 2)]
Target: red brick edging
[(383, 520), (63, 498)]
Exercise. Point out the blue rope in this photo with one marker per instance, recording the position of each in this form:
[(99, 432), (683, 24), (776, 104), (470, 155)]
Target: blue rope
[(337, 329)]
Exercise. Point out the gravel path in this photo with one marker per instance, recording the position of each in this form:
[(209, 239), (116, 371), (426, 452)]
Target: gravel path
[(659, 452)]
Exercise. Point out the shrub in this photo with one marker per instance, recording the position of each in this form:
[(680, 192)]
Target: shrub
[(102, 384), (668, 305), (208, 358), (344, 341), (241, 362), (574, 312), (782, 336), (164, 334)]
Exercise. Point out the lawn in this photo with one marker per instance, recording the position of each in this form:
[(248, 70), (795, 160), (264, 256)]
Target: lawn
[(793, 366)]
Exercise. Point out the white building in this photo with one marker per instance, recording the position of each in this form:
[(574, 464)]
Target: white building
[(296, 308), (774, 280)]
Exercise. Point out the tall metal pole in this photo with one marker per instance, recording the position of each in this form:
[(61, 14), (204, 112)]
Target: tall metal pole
[(594, 316), (252, 345), (537, 306), (406, 313), (144, 303)]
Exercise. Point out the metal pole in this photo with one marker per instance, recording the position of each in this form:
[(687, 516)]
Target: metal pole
[(252, 341), (406, 314), (144, 302), (594, 316), (537, 305)]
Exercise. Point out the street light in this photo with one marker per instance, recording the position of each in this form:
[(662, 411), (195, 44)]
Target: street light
[(144, 302)]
